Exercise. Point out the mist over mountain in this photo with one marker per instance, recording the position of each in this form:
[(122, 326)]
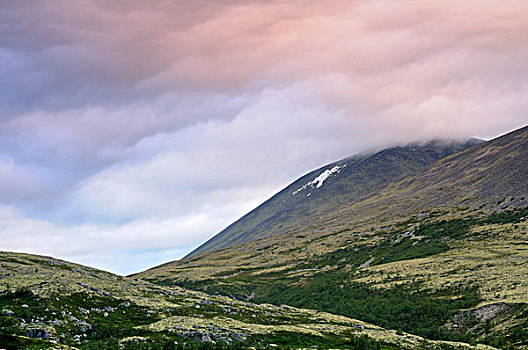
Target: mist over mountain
[(331, 187)]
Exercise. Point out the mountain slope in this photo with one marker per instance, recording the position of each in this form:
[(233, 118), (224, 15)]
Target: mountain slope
[(488, 177), (330, 187), (441, 253), (50, 303)]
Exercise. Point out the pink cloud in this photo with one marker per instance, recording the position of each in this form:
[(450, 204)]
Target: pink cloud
[(101, 96)]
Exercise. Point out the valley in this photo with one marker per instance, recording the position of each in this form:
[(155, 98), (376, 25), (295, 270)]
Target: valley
[(52, 304)]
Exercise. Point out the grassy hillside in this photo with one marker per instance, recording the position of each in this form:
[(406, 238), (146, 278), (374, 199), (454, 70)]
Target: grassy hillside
[(49, 303), (326, 189), (441, 253), (415, 276)]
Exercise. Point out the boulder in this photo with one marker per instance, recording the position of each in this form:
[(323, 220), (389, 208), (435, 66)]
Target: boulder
[(240, 337), (7, 312), (37, 333), (202, 337)]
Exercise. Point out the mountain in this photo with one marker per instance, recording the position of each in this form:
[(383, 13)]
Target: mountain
[(439, 256), (489, 177), (440, 253), (326, 189), (48, 303)]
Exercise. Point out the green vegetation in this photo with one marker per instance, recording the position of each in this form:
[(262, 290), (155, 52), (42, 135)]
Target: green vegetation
[(56, 302), (512, 216), (408, 308), (407, 305), (280, 340), (429, 239), (405, 253)]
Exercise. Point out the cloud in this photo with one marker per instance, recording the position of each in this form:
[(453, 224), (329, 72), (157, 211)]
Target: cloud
[(147, 243), (151, 127)]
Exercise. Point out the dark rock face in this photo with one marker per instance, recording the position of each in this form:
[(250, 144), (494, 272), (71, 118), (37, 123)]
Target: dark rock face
[(473, 320), (37, 333)]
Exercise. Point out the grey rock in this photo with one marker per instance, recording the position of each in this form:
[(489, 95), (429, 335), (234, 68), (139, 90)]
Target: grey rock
[(56, 323), (37, 333), (240, 337), (7, 312), (202, 337)]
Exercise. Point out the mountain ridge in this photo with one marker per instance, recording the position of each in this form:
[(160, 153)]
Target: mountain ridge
[(329, 187)]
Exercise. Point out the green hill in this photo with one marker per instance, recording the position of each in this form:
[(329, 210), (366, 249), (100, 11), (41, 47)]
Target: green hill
[(48, 303)]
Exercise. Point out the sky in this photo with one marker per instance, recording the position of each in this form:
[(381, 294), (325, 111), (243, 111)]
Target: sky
[(131, 132)]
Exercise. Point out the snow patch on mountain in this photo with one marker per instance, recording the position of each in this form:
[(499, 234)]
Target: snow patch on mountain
[(319, 180)]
